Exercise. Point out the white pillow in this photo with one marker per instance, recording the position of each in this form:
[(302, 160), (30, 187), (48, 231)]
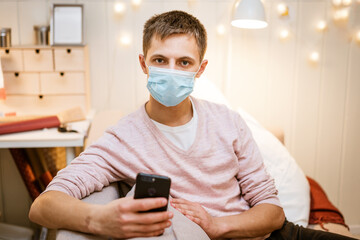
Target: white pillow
[(292, 185)]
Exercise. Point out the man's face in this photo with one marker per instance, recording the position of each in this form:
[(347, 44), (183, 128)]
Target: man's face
[(178, 51)]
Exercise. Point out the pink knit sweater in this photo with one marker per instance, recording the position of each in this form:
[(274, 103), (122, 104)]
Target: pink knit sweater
[(223, 169)]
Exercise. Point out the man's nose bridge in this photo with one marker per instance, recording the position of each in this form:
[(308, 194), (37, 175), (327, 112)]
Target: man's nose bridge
[(172, 64)]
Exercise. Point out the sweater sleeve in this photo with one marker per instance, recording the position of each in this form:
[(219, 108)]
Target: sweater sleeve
[(95, 168), (256, 185)]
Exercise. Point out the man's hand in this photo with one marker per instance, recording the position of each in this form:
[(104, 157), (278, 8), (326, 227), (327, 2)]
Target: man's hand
[(196, 213), (121, 218), (258, 221)]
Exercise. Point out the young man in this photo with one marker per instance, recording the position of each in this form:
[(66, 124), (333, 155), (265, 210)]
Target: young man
[(218, 177)]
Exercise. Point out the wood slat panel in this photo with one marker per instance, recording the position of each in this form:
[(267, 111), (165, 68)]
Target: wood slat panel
[(9, 19), (331, 107), (121, 92), (350, 178), (96, 35), (281, 69), (29, 17), (248, 85), (308, 82)]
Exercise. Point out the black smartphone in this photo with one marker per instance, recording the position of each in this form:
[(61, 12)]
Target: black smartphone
[(150, 186)]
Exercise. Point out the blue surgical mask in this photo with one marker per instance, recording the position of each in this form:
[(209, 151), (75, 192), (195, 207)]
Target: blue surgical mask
[(169, 86)]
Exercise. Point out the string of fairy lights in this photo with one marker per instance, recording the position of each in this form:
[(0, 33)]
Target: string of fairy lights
[(341, 12), (119, 9)]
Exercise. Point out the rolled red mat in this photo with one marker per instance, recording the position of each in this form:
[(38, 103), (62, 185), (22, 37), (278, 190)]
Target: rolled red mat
[(29, 125)]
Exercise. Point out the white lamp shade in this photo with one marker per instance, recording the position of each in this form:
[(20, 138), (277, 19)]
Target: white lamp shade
[(249, 14)]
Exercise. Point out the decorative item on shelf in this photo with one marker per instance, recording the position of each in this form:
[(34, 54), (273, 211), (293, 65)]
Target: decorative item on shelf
[(5, 37), (67, 24), (42, 34), (249, 14)]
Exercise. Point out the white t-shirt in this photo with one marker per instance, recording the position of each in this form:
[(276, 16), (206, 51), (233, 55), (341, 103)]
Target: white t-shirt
[(182, 136)]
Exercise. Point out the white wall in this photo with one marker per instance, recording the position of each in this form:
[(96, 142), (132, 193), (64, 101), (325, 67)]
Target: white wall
[(317, 105)]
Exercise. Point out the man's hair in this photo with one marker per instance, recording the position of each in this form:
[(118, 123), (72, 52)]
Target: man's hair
[(174, 22)]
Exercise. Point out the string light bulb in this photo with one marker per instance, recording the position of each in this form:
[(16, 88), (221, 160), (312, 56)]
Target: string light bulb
[(191, 3), (321, 25), (284, 34), (357, 36), (346, 2), (119, 7), (125, 39), (341, 14), (337, 3), (314, 57), (221, 30), (136, 3), (282, 9)]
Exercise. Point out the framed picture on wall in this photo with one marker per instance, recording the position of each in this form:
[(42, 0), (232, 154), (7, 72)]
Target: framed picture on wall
[(67, 24)]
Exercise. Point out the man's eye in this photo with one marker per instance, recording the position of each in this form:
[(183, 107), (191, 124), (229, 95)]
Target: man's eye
[(185, 63), (159, 60)]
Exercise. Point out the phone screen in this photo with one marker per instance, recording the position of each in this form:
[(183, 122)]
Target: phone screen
[(150, 186)]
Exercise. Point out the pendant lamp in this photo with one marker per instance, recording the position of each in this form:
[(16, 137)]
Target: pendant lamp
[(249, 14)]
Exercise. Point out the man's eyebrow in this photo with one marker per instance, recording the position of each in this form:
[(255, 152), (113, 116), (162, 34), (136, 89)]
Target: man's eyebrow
[(187, 58), (157, 56), (181, 58)]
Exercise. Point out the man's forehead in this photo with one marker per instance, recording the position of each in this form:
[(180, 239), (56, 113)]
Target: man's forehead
[(185, 43)]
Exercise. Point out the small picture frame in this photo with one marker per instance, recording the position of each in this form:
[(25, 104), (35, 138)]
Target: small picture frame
[(67, 24)]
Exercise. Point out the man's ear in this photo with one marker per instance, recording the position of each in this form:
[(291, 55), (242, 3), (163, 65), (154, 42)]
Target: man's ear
[(202, 68), (142, 63)]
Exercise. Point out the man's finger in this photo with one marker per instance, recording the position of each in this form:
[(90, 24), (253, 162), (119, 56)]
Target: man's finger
[(149, 234), (145, 204), (147, 228), (183, 206), (149, 218), (179, 200)]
